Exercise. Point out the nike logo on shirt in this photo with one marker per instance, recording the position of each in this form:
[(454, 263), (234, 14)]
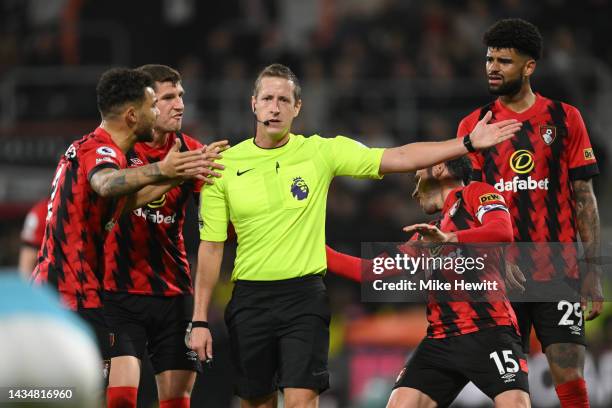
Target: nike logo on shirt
[(240, 173)]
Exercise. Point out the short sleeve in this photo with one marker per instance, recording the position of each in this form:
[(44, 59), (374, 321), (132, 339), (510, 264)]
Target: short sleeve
[(347, 157), (100, 157), (582, 161), (483, 198), (214, 213), (465, 128)]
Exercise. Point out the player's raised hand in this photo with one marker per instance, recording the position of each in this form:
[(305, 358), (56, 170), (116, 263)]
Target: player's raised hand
[(487, 134), (211, 153), (185, 164), (431, 233)]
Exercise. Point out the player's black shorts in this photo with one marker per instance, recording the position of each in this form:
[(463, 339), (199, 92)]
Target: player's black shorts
[(154, 323), (95, 319), (554, 322), (279, 335), (491, 358)]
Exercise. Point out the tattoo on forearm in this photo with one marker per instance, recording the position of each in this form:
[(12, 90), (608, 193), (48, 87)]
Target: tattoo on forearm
[(126, 181), (153, 170), (587, 217), (116, 184)]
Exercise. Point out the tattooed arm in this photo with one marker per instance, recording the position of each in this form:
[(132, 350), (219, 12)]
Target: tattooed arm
[(111, 182), (587, 217), (187, 164)]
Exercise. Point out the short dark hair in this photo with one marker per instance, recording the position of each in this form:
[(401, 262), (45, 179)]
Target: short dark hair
[(279, 71), (515, 33), (460, 169), (161, 73), (119, 86)]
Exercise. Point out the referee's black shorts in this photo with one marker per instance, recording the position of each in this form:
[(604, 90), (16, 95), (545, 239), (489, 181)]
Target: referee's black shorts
[(279, 335)]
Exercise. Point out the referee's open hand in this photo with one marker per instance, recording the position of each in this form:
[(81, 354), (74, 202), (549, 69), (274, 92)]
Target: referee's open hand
[(487, 134), (201, 341)]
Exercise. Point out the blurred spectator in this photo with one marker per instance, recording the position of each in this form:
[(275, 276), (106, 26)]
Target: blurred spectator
[(32, 236)]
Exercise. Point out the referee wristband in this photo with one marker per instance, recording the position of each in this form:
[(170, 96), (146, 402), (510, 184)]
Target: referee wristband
[(467, 142), (199, 323)]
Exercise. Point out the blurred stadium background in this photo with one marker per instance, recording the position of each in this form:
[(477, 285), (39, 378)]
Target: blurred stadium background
[(385, 72)]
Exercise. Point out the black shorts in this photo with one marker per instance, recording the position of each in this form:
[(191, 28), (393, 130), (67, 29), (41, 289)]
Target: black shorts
[(554, 322), (491, 358), (154, 323), (279, 335), (96, 321)]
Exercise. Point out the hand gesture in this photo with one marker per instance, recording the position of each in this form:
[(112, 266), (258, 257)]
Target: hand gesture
[(431, 233), (211, 153), (487, 134), (198, 164), (186, 164)]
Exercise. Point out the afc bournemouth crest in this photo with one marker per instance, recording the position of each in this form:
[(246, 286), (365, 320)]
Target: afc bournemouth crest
[(548, 133)]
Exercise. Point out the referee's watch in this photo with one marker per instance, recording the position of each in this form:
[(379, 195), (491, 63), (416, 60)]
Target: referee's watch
[(198, 323), (467, 142)]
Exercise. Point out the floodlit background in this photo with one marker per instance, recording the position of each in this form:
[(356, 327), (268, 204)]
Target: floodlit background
[(385, 72)]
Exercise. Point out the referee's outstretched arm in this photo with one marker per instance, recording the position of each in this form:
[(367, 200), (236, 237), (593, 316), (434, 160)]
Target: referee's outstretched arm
[(415, 156)]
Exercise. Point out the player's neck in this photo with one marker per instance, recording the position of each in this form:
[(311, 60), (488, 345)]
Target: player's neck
[(122, 136), (159, 139), (445, 189), (267, 142), (520, 101)]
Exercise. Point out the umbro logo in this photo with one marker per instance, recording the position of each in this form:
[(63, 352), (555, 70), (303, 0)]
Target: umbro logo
[(192, 355), (240, 173)]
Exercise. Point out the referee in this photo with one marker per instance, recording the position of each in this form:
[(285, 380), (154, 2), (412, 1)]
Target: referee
[(274, 191)]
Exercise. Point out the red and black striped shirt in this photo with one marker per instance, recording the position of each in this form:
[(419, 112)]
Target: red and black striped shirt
[(145, 253), (534, 172), (71, 257), (465, 209)]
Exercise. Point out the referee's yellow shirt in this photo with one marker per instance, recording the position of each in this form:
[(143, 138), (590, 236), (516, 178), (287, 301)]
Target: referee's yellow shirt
[(276, 199)]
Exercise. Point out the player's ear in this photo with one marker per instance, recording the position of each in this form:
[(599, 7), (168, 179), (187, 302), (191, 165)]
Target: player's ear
[(529, 67), (298, 107), (131, 115), (253, 100), (438, 170)]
